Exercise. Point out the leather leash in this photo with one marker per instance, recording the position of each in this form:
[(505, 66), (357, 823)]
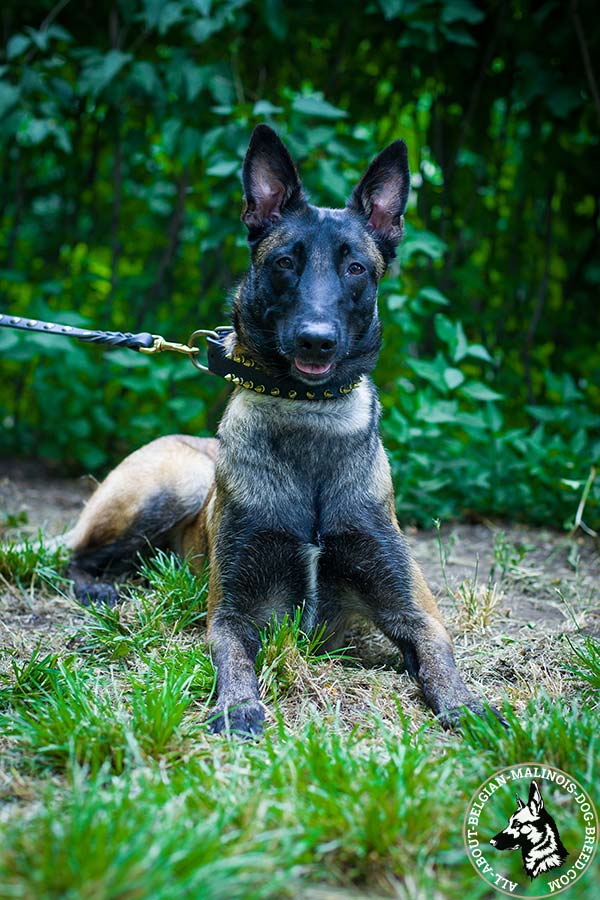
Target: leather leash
[(238, 369)]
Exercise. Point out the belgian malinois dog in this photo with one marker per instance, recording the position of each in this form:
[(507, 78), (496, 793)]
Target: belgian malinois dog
[(293, 503)]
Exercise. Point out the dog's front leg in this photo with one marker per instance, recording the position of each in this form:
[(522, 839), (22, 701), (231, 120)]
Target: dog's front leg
[(235, 644), (376, 565), (255, 574)]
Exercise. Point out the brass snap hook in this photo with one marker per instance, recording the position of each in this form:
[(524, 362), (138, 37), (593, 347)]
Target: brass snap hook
[(202, 332)]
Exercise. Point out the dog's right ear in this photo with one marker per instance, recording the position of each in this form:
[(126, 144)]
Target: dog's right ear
[(270, 180), (520, 803)]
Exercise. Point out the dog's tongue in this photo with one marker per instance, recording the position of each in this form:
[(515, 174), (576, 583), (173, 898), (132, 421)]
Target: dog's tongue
[(312, 368)]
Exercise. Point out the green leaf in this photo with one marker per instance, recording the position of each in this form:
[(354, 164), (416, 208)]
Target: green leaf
[(17, 44), (276, 18), (8, 97), (8, 340), (100, 70), (478, 351), (477, 390), (145, 75), (453, 377), (434, 296), (461, 11), (266, 108), (224, 168), (452, 333), (315, 105), (460, 36), (563, 100), (422, 242), (430, 371)]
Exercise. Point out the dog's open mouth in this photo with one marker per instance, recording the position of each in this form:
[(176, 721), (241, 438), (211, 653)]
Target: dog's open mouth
[(312, 371)]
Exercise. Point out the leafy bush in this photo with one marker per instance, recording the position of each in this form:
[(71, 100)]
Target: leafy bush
[(122, 139)]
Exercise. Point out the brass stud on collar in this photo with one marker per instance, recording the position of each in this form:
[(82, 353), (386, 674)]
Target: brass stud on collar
[(328, 394), (310, 395), (275, 392), (292, 395), (260, 388)]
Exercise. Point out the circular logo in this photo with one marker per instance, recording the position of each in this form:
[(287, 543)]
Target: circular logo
[(531, 830)]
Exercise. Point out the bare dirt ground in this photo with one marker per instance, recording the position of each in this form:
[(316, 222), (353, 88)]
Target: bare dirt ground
[(515, 599)]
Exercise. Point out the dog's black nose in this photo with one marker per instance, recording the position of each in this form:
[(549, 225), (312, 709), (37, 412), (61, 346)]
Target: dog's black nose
[(318, 340)]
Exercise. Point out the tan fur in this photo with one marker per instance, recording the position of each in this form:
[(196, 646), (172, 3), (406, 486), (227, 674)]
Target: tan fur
[(425, 598), (180, 464)]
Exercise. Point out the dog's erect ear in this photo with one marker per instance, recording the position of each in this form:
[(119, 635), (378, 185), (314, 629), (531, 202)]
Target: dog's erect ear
[(520, 803), (270, 180), (382, 194), (535, 801)]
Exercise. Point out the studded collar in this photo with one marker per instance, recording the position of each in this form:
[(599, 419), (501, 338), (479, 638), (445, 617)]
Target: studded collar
[(241, 370)]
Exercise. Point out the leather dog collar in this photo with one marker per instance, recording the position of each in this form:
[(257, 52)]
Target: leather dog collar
[(241, 370)]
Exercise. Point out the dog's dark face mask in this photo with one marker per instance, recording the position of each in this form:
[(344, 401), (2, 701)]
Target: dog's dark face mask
[(308, 305)]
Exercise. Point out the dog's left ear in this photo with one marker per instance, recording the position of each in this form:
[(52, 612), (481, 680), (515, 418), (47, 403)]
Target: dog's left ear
[(270, 180), (382, 194), (535, 801)]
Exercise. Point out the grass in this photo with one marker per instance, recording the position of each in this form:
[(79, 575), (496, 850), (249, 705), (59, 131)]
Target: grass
[(32, 563), (114, 790), (74, 716), (287, 655), (173, 600)]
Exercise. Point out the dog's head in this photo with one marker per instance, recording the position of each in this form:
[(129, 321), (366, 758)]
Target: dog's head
[(525, 826), (308, 305)]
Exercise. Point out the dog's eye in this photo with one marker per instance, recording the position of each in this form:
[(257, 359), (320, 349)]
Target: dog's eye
[(356, 269), (286, 262)]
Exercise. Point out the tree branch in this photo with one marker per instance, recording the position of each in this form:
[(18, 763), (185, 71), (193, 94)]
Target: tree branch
[(585, 54)]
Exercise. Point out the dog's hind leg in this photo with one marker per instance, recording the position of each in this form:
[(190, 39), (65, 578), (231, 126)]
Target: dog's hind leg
[(145, 503)]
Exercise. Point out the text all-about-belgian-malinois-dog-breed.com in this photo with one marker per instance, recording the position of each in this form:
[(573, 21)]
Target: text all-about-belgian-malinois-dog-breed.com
[(293, 502)]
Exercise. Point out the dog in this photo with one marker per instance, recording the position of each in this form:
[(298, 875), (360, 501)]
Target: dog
[(293, 501), (532, 830)]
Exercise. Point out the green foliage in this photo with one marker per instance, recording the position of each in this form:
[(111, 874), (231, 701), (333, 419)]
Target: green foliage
[(122, 140)]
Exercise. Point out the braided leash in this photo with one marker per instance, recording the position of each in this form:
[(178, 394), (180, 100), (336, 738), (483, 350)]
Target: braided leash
[(238, 369)]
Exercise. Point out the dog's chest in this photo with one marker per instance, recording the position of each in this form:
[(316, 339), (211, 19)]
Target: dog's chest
[(302, 467)]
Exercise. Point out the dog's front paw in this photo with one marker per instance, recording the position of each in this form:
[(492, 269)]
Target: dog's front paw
[(244, 718), (450, 718), (96, 593)]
